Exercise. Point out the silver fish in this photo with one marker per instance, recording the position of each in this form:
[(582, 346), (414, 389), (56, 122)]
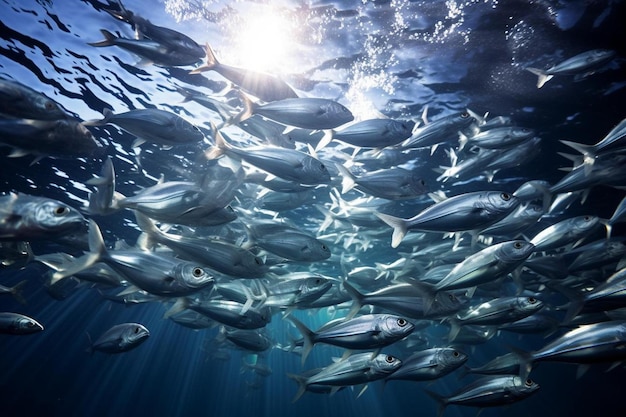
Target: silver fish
[(182, 44), (287, 164), (564, 232), (26, 217), (363, 332), (154, 273), (429, 364), (22, 102), (354, 370), (580, 63), (392, 184), (306, 113), (15, 291), (158, 53), (288, 242), (497, 138), (441, 130), (231, 313), (250, 340), (63, 138), (222, 256), (486, 265), (496, 311), (120, 338), (463, 212), (372, 133), (488, 391), (18, 324), (152, 125), (267, 87)]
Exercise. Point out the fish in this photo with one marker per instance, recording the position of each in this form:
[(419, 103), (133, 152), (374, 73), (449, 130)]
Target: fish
[(120, 338), (363, 332), (584, 62), (496, 311), (392, 184), (288, 164), (63, 138), (182, 44), (230, 313), (265, 86), (463, 212), (489, 391), (155, 273), (497, 138), (306, 113), (287, 242), (250, 340), (429, 364), (22, 102), (356, 369), (565, 232), (486, 265), (25, 217), (371, 133), (222, 256), (433, 133), (150, 51), (590, 343), (15, 291), (152, 125), (18, 324)]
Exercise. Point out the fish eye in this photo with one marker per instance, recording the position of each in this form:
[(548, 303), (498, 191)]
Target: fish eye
[(402, 322), (49, 105), (587, 218), (451, 297), (322, 167), (389, 359), (532, 300), (529, 382), (518, 245), (456, 354), (324, 247), (197, 272), (505, 196), (465, 115), (30, 324), (136, 330), (422, 182), (258, 261), (61, 211)]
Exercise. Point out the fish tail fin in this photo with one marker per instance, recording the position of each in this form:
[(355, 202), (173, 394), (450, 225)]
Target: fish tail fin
[(307, 334), (328, 136), (210, 61), (151, 233), (455, 328), (463, 139), (348, 181), (587, 151), (541, 74), (106, 112), (109, 39), (221, 146), (249, 107), (442, 403), (399, 226), (357, 299), (181, 304), (16, 291), (301, 385), (97, 250), (103, 183), (525, 361)]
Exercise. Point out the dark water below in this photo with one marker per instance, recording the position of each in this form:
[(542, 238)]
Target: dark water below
[(390, 57)]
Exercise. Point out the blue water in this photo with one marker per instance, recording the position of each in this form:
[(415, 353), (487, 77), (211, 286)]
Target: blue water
[(390, 57)]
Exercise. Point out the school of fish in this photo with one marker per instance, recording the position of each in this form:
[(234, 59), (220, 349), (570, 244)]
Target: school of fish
[(219, 250)]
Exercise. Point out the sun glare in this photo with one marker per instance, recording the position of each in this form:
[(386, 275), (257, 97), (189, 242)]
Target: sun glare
[(265, 42)]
